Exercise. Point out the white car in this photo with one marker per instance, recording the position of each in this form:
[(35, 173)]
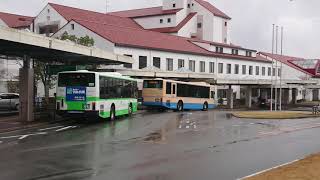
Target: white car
[(9, 101)]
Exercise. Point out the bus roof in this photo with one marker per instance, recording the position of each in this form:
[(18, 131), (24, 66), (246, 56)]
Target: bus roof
[(106, 74), (183, 82)]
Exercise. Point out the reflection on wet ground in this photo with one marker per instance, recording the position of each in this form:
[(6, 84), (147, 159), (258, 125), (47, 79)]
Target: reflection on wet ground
[(169, 145)]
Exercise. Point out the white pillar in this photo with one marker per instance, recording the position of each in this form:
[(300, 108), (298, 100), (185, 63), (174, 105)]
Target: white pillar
[(249, 97), (230, 97)]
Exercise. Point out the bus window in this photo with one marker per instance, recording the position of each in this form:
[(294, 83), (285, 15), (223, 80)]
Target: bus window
[(212, 94), (168, 88), (76, 79), (152, 84)]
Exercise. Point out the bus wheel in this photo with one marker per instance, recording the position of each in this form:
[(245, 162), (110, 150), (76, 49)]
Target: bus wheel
[(112, 113), (205, 106), (130, 111), (180, 106)]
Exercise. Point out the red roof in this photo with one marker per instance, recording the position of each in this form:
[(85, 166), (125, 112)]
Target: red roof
[(16, 21), (215, 11), (139, 38), (286, 60), (145, 12), (177, 28), (70, 13)]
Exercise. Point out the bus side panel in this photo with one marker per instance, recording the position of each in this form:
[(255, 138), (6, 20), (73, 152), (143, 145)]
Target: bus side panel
[(188, 103), (121, 106)]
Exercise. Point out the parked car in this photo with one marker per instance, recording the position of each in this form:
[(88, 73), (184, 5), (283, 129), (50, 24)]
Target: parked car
[(9, 101)]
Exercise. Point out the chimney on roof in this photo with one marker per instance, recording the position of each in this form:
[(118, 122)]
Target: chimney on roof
[(177, 4)]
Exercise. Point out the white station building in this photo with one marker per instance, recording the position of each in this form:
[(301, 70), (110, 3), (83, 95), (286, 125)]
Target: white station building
[(182, 39)]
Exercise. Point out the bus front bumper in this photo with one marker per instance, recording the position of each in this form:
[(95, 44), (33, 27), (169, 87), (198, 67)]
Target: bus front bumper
[(78, 113)]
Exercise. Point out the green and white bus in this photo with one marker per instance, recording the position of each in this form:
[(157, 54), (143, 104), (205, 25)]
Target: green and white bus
[(98, 94)]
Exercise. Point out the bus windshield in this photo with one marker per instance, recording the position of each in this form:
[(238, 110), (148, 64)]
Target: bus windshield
[(152, 84), (76, 79)]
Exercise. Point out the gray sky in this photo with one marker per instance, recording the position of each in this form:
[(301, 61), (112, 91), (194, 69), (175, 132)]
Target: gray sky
[(251, 25)]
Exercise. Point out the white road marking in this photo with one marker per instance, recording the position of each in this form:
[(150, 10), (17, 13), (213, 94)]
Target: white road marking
[(56, 127), (65, 128), (20, 136), (269, 169), (24, 136)]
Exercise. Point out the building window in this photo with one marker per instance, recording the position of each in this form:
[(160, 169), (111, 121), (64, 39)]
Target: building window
[(72, 26), (188, 5), (257, 70), (156, 62), (174, 5), (236, 69), (273, 71), (235, 51), (249, 53), (169, 20), (244, 69), (127, 65), (226, 23), (48, 10), (192, 65), (199, 25), (192, 4), (161, 21), (279, 72), (220, 67), (211, 67), (180, 63), (263, 71), (228, 68), (250, 70), (202, 66), (142, 62), (269, 71), (219, 49), (169, 64)]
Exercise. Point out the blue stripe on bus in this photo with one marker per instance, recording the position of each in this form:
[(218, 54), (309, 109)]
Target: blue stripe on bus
[(191, 106)]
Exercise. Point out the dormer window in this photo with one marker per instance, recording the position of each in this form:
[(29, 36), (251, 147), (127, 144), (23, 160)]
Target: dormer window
[(173, 5), (192, 4), (248, 53), (72, 26), (161, 21), (199, 25), (48, 10), (219, 49), (188, 5), (225, 23), (169, 20)]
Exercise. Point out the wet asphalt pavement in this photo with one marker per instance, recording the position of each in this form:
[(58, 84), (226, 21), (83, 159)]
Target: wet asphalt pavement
[(156, 146)]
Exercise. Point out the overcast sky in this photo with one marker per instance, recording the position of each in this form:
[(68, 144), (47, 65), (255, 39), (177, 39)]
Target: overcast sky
[(251, 24)]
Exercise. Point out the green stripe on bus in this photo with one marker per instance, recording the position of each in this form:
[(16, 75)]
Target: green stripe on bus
[(91, 98)]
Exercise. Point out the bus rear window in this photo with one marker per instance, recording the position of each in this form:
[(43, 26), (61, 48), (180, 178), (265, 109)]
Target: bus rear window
[(152, 84), (76, 79)]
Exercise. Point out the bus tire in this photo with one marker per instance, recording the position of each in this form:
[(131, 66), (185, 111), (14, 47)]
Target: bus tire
[(180, 106), (205, 106), (130, 110), (112, 113)]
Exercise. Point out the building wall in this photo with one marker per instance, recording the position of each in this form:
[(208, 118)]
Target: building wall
[(80, 31), (2, 23), (189, 29), (55, 18), (175, 56), (208, 21), (168, 4), (154, 21), (220, 31)]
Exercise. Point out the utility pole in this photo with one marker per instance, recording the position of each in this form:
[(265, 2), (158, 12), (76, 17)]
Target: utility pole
[(281, 69), (107, 6), (276, 73), (271, 93)]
